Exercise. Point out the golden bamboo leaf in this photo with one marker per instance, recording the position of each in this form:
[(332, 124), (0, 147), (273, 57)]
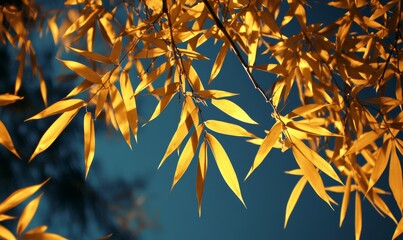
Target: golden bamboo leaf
[(27, 214), (39, 229), (4, 217), (59, 107), (120, 113), (6, 234), (364, 140), (311, 174), (53, 28), (310, 129), (42, 87), (92, 55), (82, 21), (395, 178), (346, 200), (192, 54), (53, 132), (381, 205), (201, 174), (102, 95), (154, 75), (225, 166), (84, 85), (316, 159), (380, 164), (305, 110), (43, 236), (83, 71), (218, 63), (89, 141), (267, 144), (358, 216), (116, 51), (193, 77), (179, 135), (130, 102), (295, 194), (399, 229), (6, 141), (187, 154), (7, 98), (205, 94), (165, 100), (232, 110), (19, 196), (228, 128)]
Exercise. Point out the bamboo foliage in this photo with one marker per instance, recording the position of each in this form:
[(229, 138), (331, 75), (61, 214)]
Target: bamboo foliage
[(345, 120)]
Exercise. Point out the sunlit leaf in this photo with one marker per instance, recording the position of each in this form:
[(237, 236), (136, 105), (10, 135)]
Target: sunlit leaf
[(130, 102), (59, 107), (364, 140), (265, 147), (346, 200), (92, 55), (39, 229), (53, 132), (83, 71), (89, 141), (116, 51), (218, 62), (201, 174), (4, 217), (27, 215), (120, 113), (232, 110), (6, 234), (6, 141), (19, 196), (395, 178), (292, 200), (205, 94), (7, 98), (227, 128), (381, 163), (225, 166), (358, 216)]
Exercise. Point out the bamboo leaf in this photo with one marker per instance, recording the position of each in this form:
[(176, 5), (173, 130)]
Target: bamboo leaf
[(6, 141), (358, 216), (312, 130), (380, 164), (82, 70), (305, 110), (7, 98), (346, 200), (232, 110), (227, 128), (19, 196), (89, 142), (201, 174), (116, 51), (120, 113), (399, 229), (39, 229), (395, 178), (27, 214), (130, 102), (53, 132), (267, 144), (59, 107), (92, 55), (364, 140), (218, 62), (295, 194), (187, 155), (6, 234), (225, 166)]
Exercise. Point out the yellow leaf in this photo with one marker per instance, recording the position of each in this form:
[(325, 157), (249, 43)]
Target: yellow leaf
[(179, 135), (42, 87), (305, 110), (192, 76), (116, 51), (89, 141), (39, 229), (380, 164), (399, 229), (310, 129), (225, 166), (218, 62), (53, 28), (358, 216), (43, 236), (187, 155), (6, 234), (364, 140), (395, 178), (83, 71), (92, 55), (316, 159), (346, 200), (27, 214), (205, 94), (54, 131), (232, 110), (4, 217), (59, 107), (120, 113), (311, 174), (82, 21), (155, 74), (201, 174), (102, 95), (7, 98), (6, 141), (130, 101), (19, 196), (227, 128), (166, 99), (296, 192), (192, 54), (84, 85), (267, 144)]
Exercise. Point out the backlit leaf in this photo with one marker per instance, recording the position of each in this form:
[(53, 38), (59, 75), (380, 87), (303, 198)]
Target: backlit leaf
[(395, 178), (201, 174), (225, 166), (267, 144), (83, 71), (89, 141), (296, 192), (227, 128), (218, 62), (346, 200), (27, 215), (120, 113), (380, 164), (7, 98), (59, 107), (364, 140), (232, 110), (19, 196), (358, 216), (130, 101), (53, 132), (6, 234), (6, 141)]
